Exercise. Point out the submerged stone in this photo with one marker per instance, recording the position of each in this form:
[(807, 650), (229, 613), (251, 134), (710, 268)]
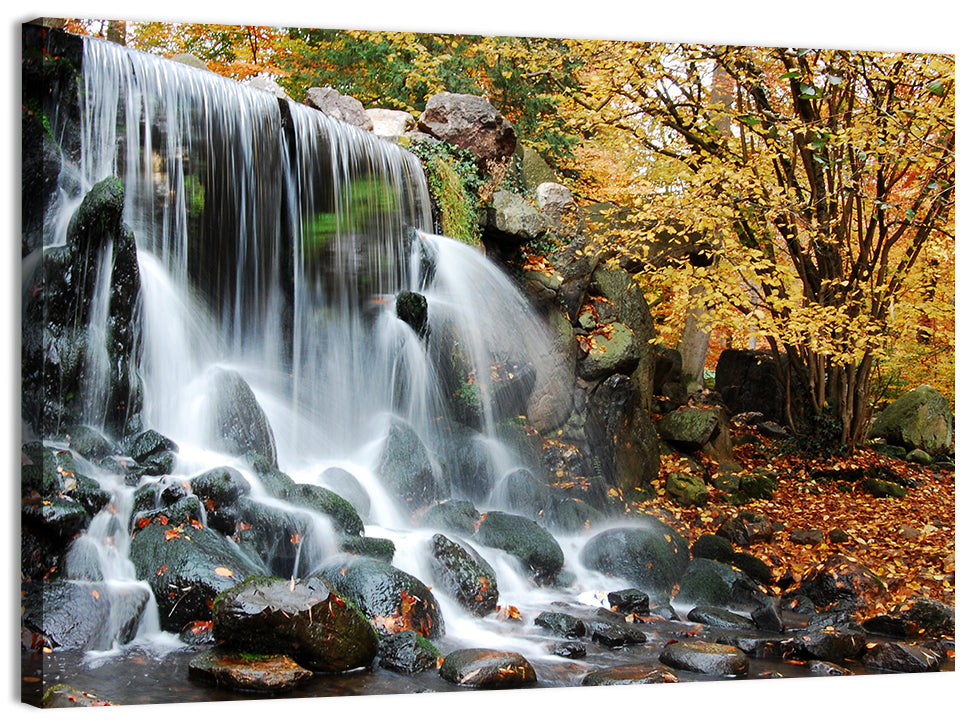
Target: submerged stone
[(407, 652), (626, 675), (713, 659), (248, 672), (462, 573), (651, 556)]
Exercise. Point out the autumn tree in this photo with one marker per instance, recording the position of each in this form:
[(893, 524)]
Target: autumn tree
[(824, 200)]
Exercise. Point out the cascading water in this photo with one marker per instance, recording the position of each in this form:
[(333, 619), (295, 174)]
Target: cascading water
[(272, 242)]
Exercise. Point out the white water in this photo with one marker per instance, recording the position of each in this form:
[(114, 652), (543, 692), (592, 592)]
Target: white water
[(279, 255)]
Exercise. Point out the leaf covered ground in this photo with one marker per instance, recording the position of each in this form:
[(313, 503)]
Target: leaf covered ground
[(908, 542)]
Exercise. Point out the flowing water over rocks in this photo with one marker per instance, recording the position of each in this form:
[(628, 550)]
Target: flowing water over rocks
[(254, 380)]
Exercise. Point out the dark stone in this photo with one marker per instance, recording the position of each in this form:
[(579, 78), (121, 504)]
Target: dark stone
[(806, 536), (625, 675), (281, 537), (690, 429), (713, 659), (259, 674), (615, 633), (485, 668), (748, 382), (768, 618), (562, 625), (710, 583), (533, 545), (150, 443), (652, 556), (469, 122), (343, 516), (829, 643), (81, 615), (572, 515), (882, 489), (412, 308), (407, 652), (306, 619), (934, 617), (825, 668), (753, 567), (186, 567), (405, 467), (91, 444), (240, 425), (887, 625), (381, 549), (568, 649), (839, 579), (348, 487), (622, 437), (756, 646), (459, 517), (519, 491), (719, 618), (221, 486), (746, 529), (713, 547), (628, 601), (461, 572), (838, 535), (393, 600), (895, 657)]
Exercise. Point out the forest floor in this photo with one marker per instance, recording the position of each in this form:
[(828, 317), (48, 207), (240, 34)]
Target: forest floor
[(908, 542)]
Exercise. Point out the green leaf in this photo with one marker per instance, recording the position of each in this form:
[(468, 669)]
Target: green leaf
[(748, 119)]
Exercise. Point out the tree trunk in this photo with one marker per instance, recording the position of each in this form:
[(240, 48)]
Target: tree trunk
[(117, 32)]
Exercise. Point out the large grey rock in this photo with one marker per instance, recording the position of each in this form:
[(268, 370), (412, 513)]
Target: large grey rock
[(610, 349), (268, 85), (469, 122), (485, 668), (338, 106), (535, 170), (525, 539), (920, 418), (512, 215)]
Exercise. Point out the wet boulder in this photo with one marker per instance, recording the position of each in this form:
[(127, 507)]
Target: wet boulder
[(154, 453), (894, 657), (719, 618), (652, 556), (381, 549), (630, 600), (220, 487), (239, 424), (710, 583), (83, 615), (456, 516), (461, 572), (563, 625), (488, 669), (404, 465), (533, 545), (610, 630), (340, 481), (521, 492), (320, 629), (412, 308), (838, 579), (343, 515), (933, 617), (186, 567), (248, 672), (920, 418), (91, 444), (407, 652), (713, 547), (394, 601), (712, 659), (622, 437), (829, 643)]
